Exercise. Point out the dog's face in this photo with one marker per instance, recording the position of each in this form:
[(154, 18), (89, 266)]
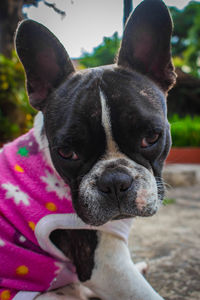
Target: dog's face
[(107, 127), (108, 136)]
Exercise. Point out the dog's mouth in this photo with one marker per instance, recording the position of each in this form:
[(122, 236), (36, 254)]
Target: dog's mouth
[(100, 214), (137, 213)]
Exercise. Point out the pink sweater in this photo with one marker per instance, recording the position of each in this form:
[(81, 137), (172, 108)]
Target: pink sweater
[(34, 201)]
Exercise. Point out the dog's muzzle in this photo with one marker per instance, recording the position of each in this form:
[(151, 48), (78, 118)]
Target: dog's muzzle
[(117, 188)]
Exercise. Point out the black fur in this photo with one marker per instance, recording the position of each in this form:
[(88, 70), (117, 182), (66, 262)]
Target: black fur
[(79, 246)]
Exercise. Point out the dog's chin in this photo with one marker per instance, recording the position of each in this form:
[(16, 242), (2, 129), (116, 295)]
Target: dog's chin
[(93, 219), (136, 213), (100, 219)]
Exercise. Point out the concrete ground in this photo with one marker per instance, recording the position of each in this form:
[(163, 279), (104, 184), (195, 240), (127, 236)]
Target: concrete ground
[(170, 240)]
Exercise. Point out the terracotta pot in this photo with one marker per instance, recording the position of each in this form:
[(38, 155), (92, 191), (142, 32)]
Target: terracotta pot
[(188, 155)]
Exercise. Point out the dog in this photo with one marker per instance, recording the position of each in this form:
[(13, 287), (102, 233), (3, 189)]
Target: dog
[(93, 161)]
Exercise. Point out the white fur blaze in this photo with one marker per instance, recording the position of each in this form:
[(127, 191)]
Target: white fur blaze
[(112, 149)]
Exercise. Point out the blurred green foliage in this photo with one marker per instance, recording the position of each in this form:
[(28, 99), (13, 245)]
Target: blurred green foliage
[(104, 54), (185, 40), (168, 201), (185, 131), (16, 115)]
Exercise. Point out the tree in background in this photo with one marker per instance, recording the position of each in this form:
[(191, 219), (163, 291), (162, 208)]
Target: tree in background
[(11, 12), (184, 98), (186, 41), (104, 54)]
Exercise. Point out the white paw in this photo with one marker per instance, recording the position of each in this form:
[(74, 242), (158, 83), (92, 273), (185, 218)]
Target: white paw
[(142, 267)]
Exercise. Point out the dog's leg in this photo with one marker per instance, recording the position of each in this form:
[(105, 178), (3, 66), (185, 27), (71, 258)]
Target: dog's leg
[(74, 291), (114, 276)]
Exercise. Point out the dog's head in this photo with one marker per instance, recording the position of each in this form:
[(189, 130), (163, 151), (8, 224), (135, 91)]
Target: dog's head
[(107, 127)]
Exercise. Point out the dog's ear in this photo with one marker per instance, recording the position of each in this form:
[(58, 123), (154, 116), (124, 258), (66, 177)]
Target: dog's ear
[(146, 45), (45, 61)]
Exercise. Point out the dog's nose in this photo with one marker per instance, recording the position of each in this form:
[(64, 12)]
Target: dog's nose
[(114, 183)]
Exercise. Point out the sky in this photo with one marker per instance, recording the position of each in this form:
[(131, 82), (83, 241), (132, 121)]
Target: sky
[(86, 21)]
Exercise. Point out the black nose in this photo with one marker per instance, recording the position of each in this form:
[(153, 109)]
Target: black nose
[(114, 183)]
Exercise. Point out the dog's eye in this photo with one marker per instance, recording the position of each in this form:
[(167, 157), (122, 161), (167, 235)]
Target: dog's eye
[(67, 154), (150, 140)]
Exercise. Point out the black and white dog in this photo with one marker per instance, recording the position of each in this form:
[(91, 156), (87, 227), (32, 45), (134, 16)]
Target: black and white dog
[(107, 136)]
